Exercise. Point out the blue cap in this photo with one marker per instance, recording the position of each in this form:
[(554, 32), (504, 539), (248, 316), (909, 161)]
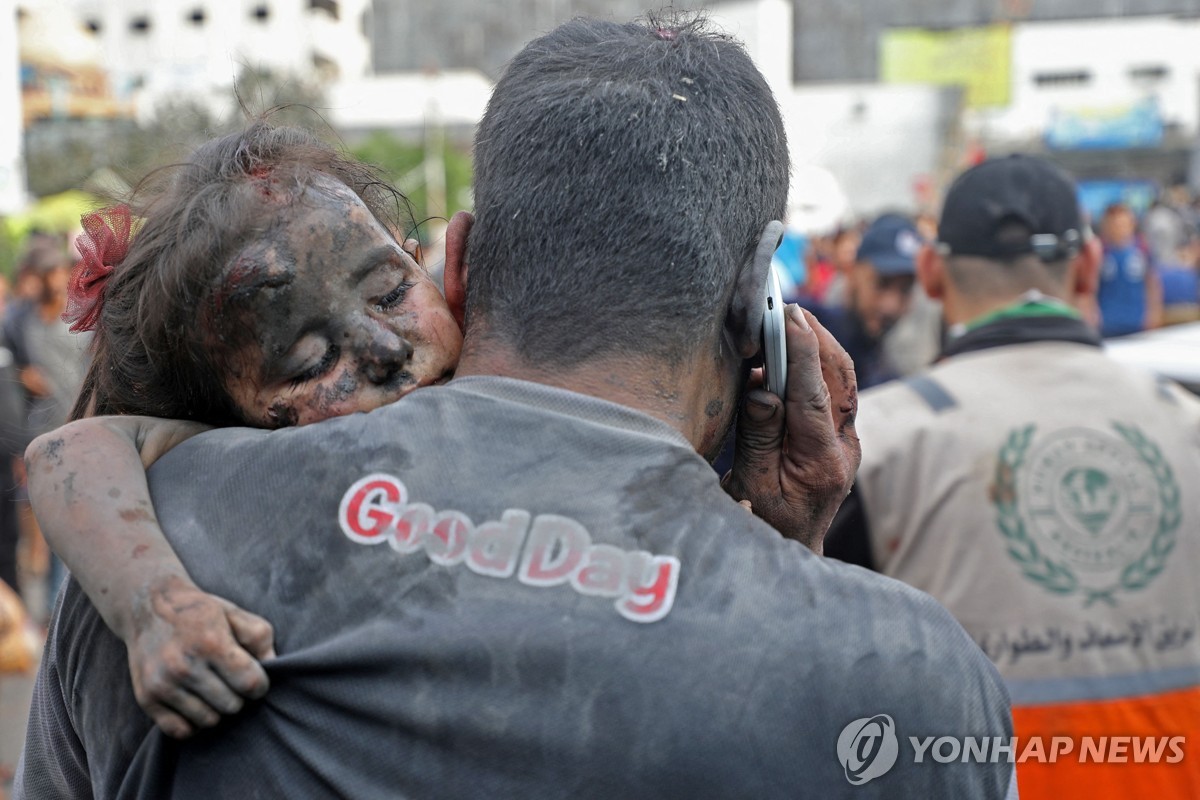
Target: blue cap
[(890, 245)]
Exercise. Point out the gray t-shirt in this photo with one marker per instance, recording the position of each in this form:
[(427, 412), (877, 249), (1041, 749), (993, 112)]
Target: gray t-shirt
[(500, 589)]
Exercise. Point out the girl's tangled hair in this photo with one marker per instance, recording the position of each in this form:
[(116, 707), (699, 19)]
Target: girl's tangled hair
[(157, 349)]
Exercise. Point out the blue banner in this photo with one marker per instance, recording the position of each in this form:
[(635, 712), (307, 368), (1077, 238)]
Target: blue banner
[(1138, 125)]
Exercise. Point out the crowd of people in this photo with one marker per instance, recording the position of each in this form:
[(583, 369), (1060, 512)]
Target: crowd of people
[(490, 557), (43, 364), (862, 278)]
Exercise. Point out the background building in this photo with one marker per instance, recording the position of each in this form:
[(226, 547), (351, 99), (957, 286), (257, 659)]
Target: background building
[(885, 97), (472, 35), (837, 40), (12, 165), (155, 50), (1109, 88), (63, 72)]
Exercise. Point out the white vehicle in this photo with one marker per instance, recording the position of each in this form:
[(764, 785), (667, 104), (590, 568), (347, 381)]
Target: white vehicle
[(1172, 352)]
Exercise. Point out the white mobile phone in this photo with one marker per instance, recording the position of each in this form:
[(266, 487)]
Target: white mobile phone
[(774, 343)]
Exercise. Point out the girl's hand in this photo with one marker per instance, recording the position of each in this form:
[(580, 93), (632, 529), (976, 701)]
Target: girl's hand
[(195, 657)]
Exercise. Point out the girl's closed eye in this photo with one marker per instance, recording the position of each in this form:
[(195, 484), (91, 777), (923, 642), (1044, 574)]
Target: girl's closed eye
[(395, 297), (316, 370)]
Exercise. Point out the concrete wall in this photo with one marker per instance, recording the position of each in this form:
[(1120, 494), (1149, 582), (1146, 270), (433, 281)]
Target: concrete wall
[(469, 34), (1116, 56), (175, 51), (882, 143)]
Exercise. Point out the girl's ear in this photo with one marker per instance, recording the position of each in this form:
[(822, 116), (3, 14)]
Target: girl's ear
[(454, 275)]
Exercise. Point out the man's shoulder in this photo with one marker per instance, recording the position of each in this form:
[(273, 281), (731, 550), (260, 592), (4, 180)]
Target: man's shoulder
[(898, 392), (1135, 389), (869, 615), (906, 405), (1046, 369), (889, 648), (358, 430), (868, 595)]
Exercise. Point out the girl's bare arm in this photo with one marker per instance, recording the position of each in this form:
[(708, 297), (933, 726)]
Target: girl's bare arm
[(192, 656)]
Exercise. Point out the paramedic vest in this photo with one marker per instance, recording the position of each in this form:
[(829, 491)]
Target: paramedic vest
[(1050, 499)]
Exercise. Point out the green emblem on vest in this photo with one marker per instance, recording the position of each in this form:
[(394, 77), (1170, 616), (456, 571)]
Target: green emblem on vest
[(1086, 512)]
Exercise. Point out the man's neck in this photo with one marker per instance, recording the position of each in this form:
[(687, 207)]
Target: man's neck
[(958, 310), (692, 397)]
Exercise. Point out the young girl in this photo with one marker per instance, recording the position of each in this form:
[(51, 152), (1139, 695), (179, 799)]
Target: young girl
[(265, 286)]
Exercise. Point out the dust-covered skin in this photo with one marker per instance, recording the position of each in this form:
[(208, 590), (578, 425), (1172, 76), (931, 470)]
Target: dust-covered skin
[(328, 315), (323, 314), (192, 656)]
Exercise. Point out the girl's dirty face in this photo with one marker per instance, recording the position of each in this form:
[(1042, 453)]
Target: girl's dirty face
[(335, 317)]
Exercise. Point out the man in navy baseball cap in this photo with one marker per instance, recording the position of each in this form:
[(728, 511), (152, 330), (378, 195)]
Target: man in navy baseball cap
[(879, 292)]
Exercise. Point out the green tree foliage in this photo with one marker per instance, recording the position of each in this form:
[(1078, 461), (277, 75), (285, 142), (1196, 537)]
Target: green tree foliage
[(62, 154), (282, 99), (403, 165), (9, 253), (65, 154)]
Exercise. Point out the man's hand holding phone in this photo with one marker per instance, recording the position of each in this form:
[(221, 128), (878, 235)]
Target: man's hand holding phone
[(795, 460)]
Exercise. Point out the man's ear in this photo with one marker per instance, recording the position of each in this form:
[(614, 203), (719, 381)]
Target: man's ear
[(931, 272), (743, 321), (1086, 279), (454, 275)]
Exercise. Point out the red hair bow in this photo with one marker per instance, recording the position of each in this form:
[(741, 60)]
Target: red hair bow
[(102, 245)]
